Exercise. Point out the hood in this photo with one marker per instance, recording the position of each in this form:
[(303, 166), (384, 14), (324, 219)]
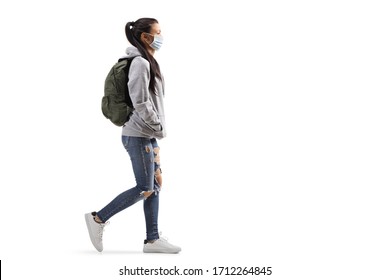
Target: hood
[(132, 51)]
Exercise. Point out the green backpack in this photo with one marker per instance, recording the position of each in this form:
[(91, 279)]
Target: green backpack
[(116, 104)]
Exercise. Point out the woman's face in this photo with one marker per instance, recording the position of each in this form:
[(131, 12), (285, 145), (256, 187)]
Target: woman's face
[(148, 38)]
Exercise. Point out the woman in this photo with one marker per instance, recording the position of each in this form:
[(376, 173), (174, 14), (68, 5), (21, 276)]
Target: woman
[(146, 88)]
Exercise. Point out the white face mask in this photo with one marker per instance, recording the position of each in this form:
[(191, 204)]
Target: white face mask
[(157, 42)]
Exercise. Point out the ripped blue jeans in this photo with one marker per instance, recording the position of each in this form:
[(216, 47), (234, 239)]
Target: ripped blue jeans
[(145, 159)]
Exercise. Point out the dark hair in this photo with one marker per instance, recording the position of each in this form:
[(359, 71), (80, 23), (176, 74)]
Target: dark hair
[(133, 33)]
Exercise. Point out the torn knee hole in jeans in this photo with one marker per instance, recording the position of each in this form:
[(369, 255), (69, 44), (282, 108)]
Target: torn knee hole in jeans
[(146, 194), (158, 176), (156, 152)]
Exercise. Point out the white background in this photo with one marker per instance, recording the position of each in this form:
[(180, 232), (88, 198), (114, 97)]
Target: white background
[(278, 138)]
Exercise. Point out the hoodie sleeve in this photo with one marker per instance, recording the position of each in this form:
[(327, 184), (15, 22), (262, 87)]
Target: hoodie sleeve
[(139, 77)]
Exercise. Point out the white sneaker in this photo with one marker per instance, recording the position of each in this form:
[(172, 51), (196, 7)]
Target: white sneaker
[(95, 231), (161, 245)]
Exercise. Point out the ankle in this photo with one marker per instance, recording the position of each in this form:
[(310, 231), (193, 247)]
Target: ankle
[(96, 218)]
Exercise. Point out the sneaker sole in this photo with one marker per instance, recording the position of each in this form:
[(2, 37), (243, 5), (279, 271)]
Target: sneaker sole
[(147, 251)]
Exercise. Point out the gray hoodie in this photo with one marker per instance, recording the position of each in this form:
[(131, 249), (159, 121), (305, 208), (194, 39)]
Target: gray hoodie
[(148, 118)]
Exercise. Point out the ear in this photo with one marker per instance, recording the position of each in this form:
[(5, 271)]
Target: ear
[(145, 38)]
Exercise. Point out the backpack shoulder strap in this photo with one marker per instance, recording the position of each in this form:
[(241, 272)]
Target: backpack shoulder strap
[(126, 58), (126, 69)]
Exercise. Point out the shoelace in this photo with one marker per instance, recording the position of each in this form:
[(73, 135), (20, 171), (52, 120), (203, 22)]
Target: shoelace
[(163, 238), (101, 228)]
